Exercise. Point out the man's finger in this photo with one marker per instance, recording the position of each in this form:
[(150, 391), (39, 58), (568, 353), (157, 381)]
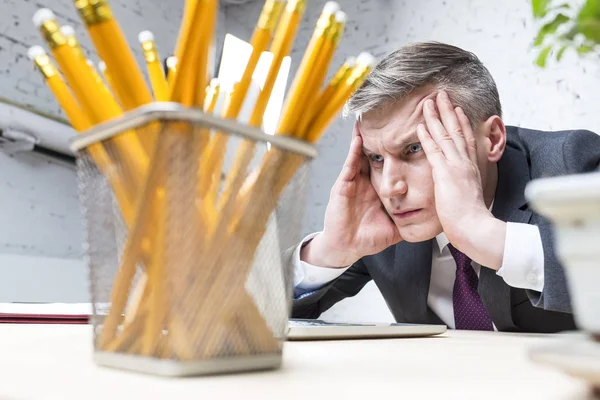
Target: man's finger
[(352, 165), (451, 122), (438, 132), (433, 152), (470, 140)]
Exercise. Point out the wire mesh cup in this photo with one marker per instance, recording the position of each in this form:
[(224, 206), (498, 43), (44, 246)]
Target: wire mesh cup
[(186, 270)]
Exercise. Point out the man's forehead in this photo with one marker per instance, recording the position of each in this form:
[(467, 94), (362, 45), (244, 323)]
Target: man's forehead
[(396, 119)]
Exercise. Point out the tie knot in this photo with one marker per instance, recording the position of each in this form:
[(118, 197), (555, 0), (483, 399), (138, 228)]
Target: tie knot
[(461, 259)]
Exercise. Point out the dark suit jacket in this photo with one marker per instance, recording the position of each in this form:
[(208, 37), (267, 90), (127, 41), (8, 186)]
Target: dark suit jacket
[(402, 272)]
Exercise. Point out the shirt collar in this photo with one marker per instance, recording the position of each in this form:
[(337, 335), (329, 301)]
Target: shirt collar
[(442, 239)]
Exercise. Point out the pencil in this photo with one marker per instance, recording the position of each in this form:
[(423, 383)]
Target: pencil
[(112, 47), (80, 123), (298, 94), (312, 88), (155, 70), (171, 69), (210, 169), (93, 100)]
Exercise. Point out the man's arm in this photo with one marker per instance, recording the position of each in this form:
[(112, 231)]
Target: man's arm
[(581, 154), (356, 225), (316, 289)]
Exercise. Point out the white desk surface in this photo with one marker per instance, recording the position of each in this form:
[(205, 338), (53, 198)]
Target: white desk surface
[(54, 362)]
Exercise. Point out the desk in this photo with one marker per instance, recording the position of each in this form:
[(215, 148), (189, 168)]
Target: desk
[(54, 362)]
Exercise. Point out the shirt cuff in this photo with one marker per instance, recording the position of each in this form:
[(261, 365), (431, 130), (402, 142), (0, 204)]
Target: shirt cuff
[(308, 277), (523, 261)]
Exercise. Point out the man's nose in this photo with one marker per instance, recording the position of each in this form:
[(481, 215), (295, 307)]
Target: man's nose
[(393, 181)]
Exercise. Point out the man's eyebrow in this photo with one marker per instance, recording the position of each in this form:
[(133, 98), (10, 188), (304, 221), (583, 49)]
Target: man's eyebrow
[(404, 142), (367, 151), (410, 139), (407, 140)]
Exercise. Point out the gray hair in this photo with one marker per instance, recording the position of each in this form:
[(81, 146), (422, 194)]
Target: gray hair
[(467, 81)]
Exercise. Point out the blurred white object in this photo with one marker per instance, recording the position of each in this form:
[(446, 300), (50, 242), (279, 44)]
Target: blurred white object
[(38, 130), (236, 53), (273, 111), (572, 203)]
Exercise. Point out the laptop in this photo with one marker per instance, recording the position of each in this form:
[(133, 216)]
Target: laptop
[(315, 329)]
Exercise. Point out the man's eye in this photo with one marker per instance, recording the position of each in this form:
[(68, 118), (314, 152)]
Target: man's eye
[(414, 148), (376, 158)]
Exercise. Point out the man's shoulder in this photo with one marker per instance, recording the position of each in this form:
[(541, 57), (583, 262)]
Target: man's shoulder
[(551, 153), (531, 138)]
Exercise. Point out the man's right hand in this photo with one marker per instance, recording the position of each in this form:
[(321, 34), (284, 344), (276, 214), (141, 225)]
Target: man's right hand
[(356, 223)]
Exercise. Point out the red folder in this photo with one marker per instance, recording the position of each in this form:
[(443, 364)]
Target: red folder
[(44, 313)]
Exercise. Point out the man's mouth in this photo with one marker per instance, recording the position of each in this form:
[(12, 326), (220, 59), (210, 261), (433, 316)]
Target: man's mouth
[(406, 214)]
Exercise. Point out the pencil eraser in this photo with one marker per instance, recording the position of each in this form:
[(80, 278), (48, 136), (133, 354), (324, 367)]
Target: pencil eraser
[(341, 17), (331, 7), (102, 66), (35, 51), (42, 15), (350, 61), (67, 30), (89, 62), (145, 36), (171, 62), (366, 59)]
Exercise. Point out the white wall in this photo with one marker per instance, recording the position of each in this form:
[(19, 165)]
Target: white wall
[(500, 33)]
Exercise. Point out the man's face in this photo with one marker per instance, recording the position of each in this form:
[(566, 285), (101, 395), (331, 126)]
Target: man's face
[(399, 170)]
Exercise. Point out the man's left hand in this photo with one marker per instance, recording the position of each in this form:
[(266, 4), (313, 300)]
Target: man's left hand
[(451, 149)]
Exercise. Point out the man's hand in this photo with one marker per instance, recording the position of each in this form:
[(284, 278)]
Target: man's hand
[(356, 223), (451, 149)]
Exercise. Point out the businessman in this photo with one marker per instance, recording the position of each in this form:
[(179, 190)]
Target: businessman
[(430, 203)]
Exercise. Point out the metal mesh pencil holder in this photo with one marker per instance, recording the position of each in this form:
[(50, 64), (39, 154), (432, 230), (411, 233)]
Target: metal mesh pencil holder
[(186, 270)]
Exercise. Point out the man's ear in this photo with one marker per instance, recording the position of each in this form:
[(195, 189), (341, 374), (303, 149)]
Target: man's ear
[(495, 131)]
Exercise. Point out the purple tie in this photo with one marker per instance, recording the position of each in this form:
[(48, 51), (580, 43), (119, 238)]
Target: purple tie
[(469, 311)]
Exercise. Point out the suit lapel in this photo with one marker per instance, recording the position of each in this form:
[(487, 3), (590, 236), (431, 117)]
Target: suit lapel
[(510, 206), (412, 262)]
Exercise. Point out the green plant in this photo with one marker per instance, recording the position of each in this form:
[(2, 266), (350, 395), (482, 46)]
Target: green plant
[(566, 27)]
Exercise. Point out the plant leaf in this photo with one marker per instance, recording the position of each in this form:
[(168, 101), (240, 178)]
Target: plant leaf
[(543, 56), (540, 8), (585, 49), (591, 9), (550, 28), (560, 53), (590, 27)]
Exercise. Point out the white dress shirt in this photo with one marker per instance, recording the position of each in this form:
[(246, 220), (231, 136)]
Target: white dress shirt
[(522, 267)]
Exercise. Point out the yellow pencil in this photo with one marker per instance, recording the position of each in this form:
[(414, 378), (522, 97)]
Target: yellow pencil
[(297, 96), (171, 69), (69, 33), (72, 41), (212, 95), (210, 169), (282, 45), (113, 49), (108, 39), (59, 88), (364, 63), (93, 100), (313, 86), (155, 70), (209, 19), (80, 122), (105, 73), (325, 95)]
